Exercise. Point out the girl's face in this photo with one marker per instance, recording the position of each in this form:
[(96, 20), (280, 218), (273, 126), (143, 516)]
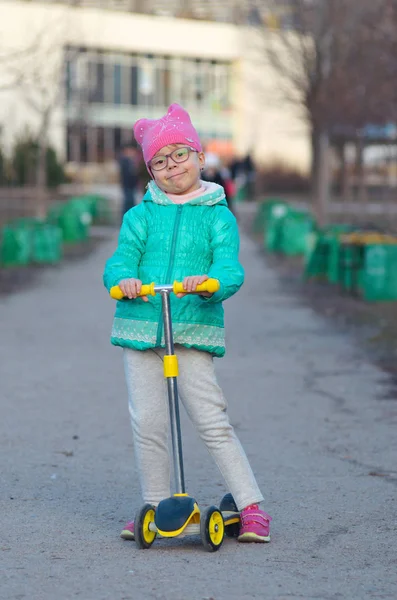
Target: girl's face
[(177, 177)]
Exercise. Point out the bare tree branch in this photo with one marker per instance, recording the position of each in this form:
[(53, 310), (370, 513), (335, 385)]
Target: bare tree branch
[(336, 66), (39, 73)]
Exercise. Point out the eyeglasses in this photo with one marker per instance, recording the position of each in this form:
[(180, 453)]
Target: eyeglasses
[(179, 155)]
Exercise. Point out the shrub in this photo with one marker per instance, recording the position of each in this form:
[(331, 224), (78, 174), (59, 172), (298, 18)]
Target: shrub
[(23, 163)]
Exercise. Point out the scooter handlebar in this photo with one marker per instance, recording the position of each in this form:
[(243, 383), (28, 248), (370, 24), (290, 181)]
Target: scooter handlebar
[(211, 286)]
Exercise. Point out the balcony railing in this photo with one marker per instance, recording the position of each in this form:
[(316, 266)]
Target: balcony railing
[(221, 10), (251, 12)]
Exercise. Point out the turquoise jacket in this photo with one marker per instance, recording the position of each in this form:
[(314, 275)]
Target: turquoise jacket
[(161, 241)]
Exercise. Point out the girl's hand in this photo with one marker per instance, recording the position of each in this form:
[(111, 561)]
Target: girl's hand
[(190, 284), (131, 288)]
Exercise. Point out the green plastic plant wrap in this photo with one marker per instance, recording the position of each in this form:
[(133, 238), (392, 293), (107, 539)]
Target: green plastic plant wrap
[(15, 245), (378, 280), (75, 220), (295, 230), (324, 258), (274, 225), (263, 213), (46, 244), (30, 240)]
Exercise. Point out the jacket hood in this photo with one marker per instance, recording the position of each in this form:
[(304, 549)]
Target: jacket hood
[(214, 194)]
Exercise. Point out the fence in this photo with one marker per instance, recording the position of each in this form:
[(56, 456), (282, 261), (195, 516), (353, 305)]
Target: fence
[(16, 203), (22, 202)]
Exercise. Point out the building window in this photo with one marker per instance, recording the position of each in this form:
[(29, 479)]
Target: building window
[(133, 86), (117, 141), (149, 81), (146, 81), (137, 83), (117, 84), (69, 81), (96, 81), (167, 82)]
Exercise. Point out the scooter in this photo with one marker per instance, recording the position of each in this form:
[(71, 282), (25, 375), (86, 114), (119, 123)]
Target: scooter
[(180, 515)]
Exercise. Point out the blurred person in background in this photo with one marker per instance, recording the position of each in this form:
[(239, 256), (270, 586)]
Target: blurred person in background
[(220, 174), (143, 175), (250, 174), (128, 166), (243, 173)]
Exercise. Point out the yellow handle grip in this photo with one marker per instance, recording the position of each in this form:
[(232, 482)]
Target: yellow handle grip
[(211, 286), (146, 290)]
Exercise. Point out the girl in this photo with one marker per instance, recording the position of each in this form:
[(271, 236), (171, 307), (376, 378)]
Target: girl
[(183, 226)]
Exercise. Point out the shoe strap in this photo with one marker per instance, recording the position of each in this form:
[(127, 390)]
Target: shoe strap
[(255, 517)]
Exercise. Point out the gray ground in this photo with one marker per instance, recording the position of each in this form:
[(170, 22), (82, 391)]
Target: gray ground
[(315, 416)]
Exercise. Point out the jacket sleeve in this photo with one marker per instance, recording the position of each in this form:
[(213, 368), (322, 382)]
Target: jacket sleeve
[(225, 266), (131, 245)]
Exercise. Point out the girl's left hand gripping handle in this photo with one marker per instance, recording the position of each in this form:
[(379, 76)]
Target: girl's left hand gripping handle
[(210, 285), (146, 290)]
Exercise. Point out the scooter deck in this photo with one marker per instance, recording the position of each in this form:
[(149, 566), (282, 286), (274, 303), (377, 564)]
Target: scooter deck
[(230, 517), (179, 516), (175, 514), (190, 528)]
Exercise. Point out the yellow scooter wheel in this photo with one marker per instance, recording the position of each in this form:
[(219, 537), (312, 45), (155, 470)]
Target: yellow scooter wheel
[(212, 529), (144, 537)]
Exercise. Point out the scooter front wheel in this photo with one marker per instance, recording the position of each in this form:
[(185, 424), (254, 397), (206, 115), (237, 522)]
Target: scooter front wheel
[(144, 537), (212, 529)]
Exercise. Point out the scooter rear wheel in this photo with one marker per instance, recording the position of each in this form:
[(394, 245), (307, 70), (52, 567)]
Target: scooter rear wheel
[(212, 528), (144, 537)]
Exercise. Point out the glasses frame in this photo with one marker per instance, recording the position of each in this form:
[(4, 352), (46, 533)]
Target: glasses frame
[(167, 156)]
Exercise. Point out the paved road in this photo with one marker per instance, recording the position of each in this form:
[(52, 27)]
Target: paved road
[(312, 414)]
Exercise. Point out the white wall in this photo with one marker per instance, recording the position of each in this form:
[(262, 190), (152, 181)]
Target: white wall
[(274, 128)]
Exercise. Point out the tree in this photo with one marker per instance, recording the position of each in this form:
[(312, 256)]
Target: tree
[(3, 166), (41, 75), (23, 162), (330, 67), (9, 61)]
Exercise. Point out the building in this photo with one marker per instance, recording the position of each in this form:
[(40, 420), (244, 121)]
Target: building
[(91, 68)]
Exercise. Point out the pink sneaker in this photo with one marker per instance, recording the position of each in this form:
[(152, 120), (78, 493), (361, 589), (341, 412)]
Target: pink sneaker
[(128, 531), (254, 525)]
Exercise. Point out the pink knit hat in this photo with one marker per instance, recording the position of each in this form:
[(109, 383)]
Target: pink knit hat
[(174, 128)]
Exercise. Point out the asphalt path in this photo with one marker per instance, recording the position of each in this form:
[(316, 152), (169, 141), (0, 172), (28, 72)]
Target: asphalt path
[(312, 413)]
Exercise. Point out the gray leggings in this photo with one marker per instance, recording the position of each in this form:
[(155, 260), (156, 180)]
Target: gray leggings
[(206, 406)]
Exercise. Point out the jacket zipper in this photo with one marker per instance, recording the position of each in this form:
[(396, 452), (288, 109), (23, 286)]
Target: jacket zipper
[(169, 271)]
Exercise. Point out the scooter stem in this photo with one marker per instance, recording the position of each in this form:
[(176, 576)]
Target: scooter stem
[(173, 396)]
